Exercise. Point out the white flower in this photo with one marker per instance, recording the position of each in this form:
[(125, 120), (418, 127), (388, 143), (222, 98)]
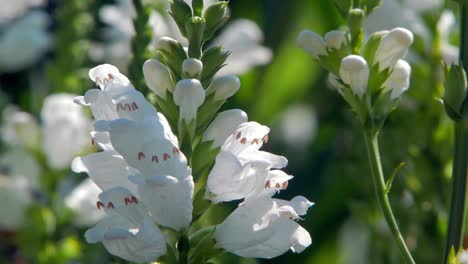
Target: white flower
[(158, 78), (223, 87), (445, 26), (224, 124), (116, 98), (82, 200), (19, 177), (20, 128), (127, 230), (264, 228), (164, 181), (243, 39), (335, 39), (393, 47), (312, 43), (17, 8), (189, 95), (241, 170), (63, 123), (354, 71), (399, 80), (298, 126), (26, 38)]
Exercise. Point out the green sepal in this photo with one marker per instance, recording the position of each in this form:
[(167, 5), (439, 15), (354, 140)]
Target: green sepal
[(215, 16), (204, 245), (207, 111), (455, 85), (357, 105), (195, 27), (382, 107), (452, 257), (377, 79), (213, 60), (371, 46), (186, 132), (200, 204), (203, 158), (173, 57), (343, 7), (332, 61), (180, 11), (167, 107), (371, 5)]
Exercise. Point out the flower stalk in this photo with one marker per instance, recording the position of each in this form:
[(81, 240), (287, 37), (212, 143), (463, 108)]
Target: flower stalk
[(372, 146), (460, 159)]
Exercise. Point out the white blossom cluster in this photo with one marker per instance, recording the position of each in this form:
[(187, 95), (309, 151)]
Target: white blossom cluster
[(147, 185)]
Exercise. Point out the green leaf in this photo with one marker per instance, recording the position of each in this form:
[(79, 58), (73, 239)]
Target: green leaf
[(213, 59), (388, 184)]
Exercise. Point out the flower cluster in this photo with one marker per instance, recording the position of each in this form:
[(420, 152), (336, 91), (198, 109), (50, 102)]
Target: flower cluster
[(148, 173), (370, 82)]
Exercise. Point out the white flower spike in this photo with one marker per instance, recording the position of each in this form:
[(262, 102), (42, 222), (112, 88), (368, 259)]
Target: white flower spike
[(354, 71)]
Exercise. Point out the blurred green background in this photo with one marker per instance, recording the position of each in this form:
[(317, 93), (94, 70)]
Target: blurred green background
[(311, 126)]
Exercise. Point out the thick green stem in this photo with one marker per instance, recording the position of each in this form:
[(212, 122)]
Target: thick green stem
[(372, 145), (458, 200), (459, 169)]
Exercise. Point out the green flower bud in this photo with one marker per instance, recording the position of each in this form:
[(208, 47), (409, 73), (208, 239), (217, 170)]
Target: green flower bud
[(355, 20), (215, 16), (173, 54), (455, 91), (195, 28), (180, 11), (197, 6)]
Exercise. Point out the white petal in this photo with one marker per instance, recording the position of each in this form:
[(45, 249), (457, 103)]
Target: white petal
[(158, 77), (106, 73), (170, 204), (354, 71), (224, 124), (399, 80), (223, 87), (19, 128), (133, 105), (189, 95), (19, 163), (393, 47), (312, 43), (248, 137), (107, 169), (14, 200)]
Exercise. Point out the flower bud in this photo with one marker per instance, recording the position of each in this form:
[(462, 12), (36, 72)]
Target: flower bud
[(223, 125), (393, 47), (195, 27), (312, 43), (455, 91), (166, 44), (354, 71), (189, 95), (192, 67), (224, 87), (215, 16), (335, 39), (180, 11), (158, 77), (399, 80)]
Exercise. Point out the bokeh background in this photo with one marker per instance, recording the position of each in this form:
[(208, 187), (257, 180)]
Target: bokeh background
[(48, 46)]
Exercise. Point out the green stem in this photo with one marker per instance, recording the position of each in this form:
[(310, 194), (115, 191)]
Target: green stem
[(458, 199), (372, 145), (459, 167), (183, 248)]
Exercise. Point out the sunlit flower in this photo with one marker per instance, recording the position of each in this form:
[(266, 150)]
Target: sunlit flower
[(265, 228), (63, 122), (399, 80), (127, 230), (82, 201), (224, 124), (17, 8), (354, 71), (241, 170)]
